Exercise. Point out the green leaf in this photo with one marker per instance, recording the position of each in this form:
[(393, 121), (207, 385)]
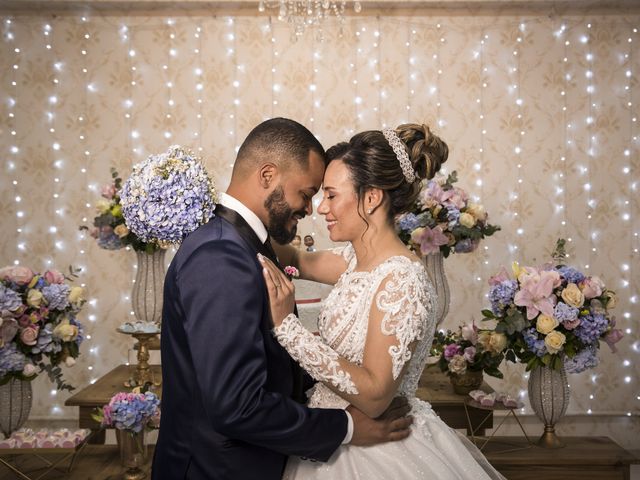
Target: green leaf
[(488, 313)]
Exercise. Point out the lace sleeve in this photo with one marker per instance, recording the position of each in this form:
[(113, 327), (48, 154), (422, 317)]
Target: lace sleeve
[(404, 302), (313, 355)]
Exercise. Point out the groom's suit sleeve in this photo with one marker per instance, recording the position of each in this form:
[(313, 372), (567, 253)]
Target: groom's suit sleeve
[(221, 290)]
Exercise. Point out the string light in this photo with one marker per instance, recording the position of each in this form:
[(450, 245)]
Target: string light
[(199, 87)]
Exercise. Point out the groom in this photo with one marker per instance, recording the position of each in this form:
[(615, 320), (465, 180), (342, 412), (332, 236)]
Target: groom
[(229, 408)]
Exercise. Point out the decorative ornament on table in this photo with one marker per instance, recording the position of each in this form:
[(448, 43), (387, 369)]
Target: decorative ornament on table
[(554, 318), (443, 221), (39, 331), (464, 355), (131, 414)]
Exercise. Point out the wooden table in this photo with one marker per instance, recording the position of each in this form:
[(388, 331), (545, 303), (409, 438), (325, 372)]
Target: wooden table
[(583, 458), (99, 394), (434, 387)]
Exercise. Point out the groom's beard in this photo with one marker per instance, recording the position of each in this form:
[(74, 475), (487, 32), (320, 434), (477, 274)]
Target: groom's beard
[(280, 214)]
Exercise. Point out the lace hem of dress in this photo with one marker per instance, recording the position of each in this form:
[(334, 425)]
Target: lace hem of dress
[(313, 355)]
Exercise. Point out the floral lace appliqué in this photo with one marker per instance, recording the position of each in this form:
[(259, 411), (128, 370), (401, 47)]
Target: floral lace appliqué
[(317, 358)]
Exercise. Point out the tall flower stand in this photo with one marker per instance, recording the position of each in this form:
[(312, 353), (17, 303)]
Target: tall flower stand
[(549, 396), (142, 373)]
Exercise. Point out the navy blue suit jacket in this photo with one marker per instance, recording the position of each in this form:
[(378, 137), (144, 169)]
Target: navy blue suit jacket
[(227, 411)]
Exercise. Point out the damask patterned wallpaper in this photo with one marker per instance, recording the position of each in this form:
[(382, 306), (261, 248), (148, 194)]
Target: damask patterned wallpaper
[(539, 113)]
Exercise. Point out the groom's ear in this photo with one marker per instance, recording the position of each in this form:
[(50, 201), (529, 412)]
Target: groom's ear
[(267, 175)]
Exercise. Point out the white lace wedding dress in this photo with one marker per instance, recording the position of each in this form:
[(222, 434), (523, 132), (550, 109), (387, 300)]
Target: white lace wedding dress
[(403, 293)]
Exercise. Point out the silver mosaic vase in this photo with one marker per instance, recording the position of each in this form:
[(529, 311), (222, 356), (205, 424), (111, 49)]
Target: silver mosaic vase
[(15, 405), (549, 396), (434, 264), (146, 295)]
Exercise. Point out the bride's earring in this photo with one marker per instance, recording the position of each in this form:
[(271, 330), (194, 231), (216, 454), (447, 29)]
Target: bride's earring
[(370, 211)]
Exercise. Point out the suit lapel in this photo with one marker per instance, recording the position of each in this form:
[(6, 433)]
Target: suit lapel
[(243, 228)]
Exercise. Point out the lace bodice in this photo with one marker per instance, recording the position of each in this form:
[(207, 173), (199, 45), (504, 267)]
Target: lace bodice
[(403, 294)]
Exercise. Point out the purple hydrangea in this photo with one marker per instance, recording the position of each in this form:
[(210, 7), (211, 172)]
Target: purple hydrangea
[(57, 296), (46, 342), (109, 241), (466, 245), (591, 328), (9, 300), (453, 215), (534, 344), (408, 222), (570, 274), (167, 197), (585, 359), (501, 296), (565, 313), (11, 360), (131, 411)]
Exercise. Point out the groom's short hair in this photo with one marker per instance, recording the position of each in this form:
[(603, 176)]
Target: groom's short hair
[(280, 140)]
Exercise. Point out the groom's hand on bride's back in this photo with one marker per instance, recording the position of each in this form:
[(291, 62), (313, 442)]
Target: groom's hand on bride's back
[(394, 424)]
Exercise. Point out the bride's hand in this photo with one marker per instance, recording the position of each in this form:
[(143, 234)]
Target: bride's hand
[(281, 291)]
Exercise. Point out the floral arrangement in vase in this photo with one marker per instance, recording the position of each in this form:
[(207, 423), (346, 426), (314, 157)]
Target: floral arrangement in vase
[(553, 315), (469, 350), (444, 220), (130, 411), (109, 226), (168, 196), (39, 328)]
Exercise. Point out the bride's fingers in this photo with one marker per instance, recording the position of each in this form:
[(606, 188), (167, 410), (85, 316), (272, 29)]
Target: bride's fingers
[(271, 285)]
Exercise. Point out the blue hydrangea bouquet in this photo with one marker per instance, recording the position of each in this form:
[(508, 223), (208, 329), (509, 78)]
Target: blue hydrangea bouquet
[(444, 220), (39, 328), (167, 197), (130, 411), (553, 315)]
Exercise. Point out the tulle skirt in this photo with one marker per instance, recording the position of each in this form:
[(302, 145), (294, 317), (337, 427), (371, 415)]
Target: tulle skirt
[(432, 451)]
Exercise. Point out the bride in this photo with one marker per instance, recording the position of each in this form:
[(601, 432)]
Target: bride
[(378, 322)]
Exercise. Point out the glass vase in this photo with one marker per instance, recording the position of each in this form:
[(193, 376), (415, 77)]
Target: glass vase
[(434, 264), (15, 404), (146, 295), (133, 453), (549, 397)]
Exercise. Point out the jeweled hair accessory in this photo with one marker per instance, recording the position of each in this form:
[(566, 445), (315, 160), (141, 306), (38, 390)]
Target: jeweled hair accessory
[(401, 154)]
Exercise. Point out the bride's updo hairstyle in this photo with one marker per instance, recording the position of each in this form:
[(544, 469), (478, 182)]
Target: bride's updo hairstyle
[(373, 163)]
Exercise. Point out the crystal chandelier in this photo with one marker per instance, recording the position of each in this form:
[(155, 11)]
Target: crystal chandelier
[(303, 14)]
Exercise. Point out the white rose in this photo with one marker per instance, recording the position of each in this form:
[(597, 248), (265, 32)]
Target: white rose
[(34, 298), (76, 295), (458, 365), (546, 324), (69, 361), (467, 220), (477, 211), (573, 296), (29, 370), (103, 206), (554, 341), (497, 342)]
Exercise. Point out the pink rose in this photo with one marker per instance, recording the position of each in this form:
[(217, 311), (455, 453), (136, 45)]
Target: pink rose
[(592, 287), (469, 354), (451, 350), (53, 276), (94, 232), (20, 275), (613, 336), (29, 335), (108, 191), (4, 272), (499, 277)]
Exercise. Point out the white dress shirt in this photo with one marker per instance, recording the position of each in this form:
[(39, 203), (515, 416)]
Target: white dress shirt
[(261, 231)]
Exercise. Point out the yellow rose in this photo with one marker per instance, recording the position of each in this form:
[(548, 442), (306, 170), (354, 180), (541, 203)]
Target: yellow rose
[(554, 341), (121, 230), (546, 324), (103, 205), (65, 331), (467, 220), (497, 342), (573, 296), (34, 298), (76, 295), (477, 211), (437, 210)]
